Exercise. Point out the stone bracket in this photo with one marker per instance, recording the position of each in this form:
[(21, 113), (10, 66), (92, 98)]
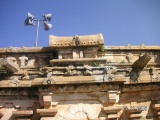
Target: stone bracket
[(9, 65), (113, 96)]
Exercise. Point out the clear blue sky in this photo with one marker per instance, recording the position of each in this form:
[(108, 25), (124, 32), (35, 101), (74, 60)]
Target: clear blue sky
[(121, 22)]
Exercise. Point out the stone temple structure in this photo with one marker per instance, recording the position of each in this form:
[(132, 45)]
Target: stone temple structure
[(78, 78)]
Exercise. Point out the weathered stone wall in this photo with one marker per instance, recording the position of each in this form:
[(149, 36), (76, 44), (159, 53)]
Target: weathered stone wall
[(82, 101), (77, 78)]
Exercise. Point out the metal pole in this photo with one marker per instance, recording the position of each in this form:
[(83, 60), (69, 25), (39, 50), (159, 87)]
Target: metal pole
[(37, 33)]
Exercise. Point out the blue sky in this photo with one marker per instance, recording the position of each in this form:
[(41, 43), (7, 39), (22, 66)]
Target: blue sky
[(121, 22)]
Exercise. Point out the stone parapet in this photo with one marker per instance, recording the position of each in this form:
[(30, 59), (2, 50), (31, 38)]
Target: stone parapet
[(78, 78)]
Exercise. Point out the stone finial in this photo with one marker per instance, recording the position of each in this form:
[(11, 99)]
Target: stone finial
[(142, 46), (128, 46)]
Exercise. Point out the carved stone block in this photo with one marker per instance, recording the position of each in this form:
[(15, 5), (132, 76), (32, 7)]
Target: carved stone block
[(113, 96), (47, 99), (88, 40), (22, 113), (47, 112), (23, 60), (9, 65)]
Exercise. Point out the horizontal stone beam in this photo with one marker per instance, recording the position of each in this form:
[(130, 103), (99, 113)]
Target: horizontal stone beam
[(22, 113), (47, 112), (113, 116), (81, 60), (47, 118), (112, 109), (135, 115)]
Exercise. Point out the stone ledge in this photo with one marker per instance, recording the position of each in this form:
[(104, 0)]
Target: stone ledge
[(80, 60), (112, 109), (47, 112), (22, 113)]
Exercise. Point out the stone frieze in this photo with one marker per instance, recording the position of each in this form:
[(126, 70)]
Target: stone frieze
[(78, 78)]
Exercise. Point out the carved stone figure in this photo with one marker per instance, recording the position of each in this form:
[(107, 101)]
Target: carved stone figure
[(23, 59)]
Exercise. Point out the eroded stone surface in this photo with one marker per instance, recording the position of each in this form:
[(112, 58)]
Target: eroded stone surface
[(77, 78)]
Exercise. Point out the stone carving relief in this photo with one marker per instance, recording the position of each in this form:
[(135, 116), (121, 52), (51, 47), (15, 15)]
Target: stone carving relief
[(69, 70), (13, 59), (88, 70), (109, 73), (81, 88), (155, 76), (25, 75), (23, 60), (11, 64), (79, 112), (14, 49), (48, 79), (14, 82)]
